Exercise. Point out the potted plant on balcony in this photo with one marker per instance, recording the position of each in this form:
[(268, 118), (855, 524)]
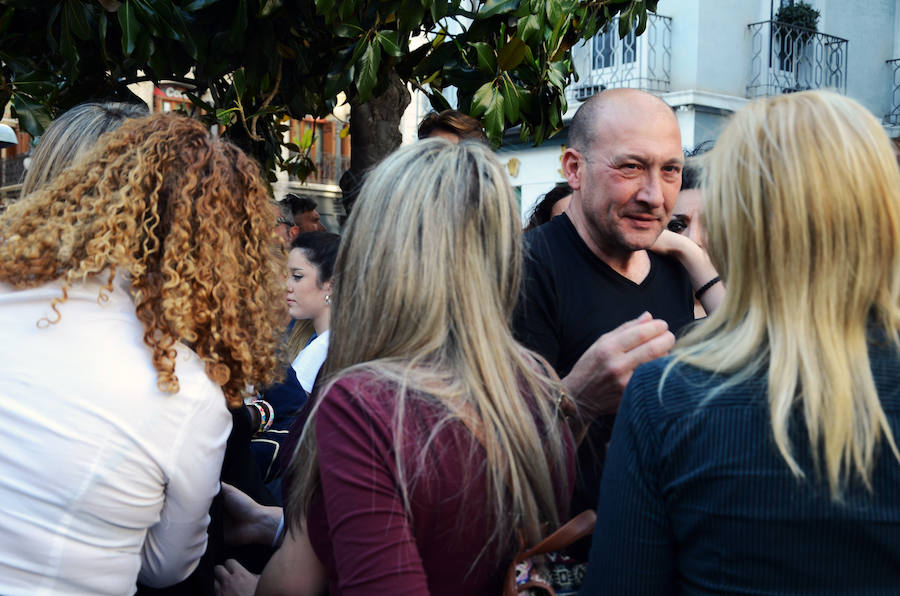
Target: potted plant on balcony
[(795, 26)]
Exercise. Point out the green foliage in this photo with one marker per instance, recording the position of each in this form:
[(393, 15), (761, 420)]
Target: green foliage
[(799, 14), (263, 60)]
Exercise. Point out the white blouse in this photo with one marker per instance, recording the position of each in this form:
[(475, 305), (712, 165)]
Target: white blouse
[(310, 360), (103, 477)]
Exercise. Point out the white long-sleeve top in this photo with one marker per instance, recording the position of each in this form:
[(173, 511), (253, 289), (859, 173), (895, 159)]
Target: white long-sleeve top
[(102, 476)]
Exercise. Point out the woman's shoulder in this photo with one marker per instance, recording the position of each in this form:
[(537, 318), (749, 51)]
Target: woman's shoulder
[(360, 392), (673, 387)]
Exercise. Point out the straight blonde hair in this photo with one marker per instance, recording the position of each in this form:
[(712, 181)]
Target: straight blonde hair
[(72, 135), (427, 277), (802, 212)]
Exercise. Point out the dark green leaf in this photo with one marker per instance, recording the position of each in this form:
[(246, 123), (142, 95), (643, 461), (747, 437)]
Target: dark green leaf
[(226, 117), (239, 81), (438, 102), (625, 24), (239, 24), (33, 117), (338, 81), (512, 54), (487, 61), (495, 7), (67, 47), (324, 6), (510, 101), (196, 5), (388, 42), (345, 10), (6, 19), (128, 22), (481, 100), (75, 17), (494, 119), (367, 73), (348, 30), (554, 12), (358, 50), (102, 22), (268, 7), (642, 24), (529, 28), (439, 9)]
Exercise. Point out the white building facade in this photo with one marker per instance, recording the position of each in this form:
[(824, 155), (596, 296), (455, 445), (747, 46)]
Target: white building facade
[(707, 58)]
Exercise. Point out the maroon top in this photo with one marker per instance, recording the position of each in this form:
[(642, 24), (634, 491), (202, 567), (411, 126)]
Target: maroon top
[(357, 524)]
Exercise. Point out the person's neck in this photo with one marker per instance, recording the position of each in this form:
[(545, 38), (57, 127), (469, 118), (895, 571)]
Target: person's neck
[(322, 322), (630, 264)]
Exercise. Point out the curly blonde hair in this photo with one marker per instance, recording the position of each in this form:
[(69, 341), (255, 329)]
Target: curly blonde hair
[(187, 217)]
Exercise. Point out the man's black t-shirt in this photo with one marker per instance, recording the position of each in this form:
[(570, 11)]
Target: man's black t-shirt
[(570, 297)]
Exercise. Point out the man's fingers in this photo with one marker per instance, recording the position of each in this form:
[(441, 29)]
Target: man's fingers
[(233, 566), (632, 334), (220, 573), (653, 348)]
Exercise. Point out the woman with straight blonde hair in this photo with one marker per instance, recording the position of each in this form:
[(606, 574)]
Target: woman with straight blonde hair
[(436, 437), (760, 457), (72, 135)]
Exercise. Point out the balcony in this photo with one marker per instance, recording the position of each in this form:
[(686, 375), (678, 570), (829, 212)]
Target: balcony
[(329, 169), (785, 59), (606, 61), (894, 117)]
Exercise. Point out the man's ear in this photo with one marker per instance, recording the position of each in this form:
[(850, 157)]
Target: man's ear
[(293, 232), (571, 167)]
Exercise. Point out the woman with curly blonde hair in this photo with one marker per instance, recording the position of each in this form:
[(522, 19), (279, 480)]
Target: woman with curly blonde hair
[(139, 297), (761, 456)]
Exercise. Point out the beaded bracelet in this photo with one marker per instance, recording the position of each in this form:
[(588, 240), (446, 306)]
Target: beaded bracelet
[(270, 419), (262, 415)]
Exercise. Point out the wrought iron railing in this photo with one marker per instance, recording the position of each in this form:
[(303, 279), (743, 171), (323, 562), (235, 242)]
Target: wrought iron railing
[(894, 117), (12, 170), (606, 61), (329, 169), (785, 58)]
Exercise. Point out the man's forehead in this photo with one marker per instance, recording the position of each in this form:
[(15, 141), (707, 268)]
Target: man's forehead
[(642, 140)]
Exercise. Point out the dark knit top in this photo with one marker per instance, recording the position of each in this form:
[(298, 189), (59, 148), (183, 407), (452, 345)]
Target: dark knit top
[(696, 499)]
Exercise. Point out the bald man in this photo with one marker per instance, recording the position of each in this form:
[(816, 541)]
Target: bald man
[(590, 278)]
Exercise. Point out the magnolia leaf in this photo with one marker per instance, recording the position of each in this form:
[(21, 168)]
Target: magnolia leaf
[(487, 62), (510, 101), (481, 99), (348, 30), (198, 5), (268, 7), (388, 42), (367, 73), (495, 7), (512, 54), (75, 17), (129, 24), (33, 117), (494, 118)]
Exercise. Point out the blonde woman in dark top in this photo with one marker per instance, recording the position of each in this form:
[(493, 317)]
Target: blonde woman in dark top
[(761, 457)]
